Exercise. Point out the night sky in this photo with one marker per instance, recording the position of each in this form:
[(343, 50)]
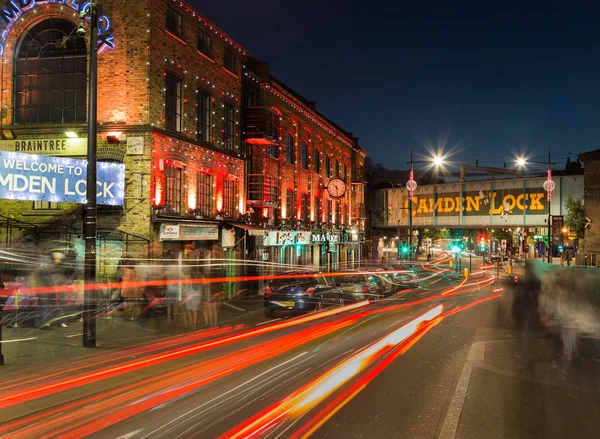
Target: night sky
[(482, 81)]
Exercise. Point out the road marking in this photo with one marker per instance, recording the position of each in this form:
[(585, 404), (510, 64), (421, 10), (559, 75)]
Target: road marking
[(268, 321), (458, 400)]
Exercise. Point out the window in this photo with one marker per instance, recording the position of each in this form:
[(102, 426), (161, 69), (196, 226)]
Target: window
[(328, 166), (46, 205), (173, 178), (305, 209), (173, 103), (205, 44), (289, 203), (304, 155), (228, 126), (337, 169), (274, 151), (50, 74), (346, 177), (318, 210), (203, 116), (204, 191), (317, 161), (230, 197), (229, 60), (338, 213), (174, 22), (290, 152), (329, 213)]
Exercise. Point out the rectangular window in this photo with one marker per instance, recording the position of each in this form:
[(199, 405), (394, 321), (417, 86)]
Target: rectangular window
[(174, 22), (338, 213), (203, 116), (328, 166), (230, 193), (337, 168), (228, 127), (289, 203), (318, 210), (329, 213), (290, 150), (173, 103), (317, 161), (229, 60), (346, 177), (205, 44), (204, 191), (304, 155), (173, 181), (305, 209), (274, 151), (46, 205)]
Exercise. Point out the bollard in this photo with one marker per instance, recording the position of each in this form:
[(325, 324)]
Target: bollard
[(466, 272), (509, 269)]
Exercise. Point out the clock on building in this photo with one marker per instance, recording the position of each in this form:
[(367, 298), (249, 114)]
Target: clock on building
[(336, 188)]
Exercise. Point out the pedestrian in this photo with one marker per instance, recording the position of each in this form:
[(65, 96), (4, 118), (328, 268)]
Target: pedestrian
[(211, 301), (191, 302), (57, 277), (131, 291)]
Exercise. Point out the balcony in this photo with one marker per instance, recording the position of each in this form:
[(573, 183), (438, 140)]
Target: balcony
[(358, 175), (261, 126), (262, 191), (359, 212)]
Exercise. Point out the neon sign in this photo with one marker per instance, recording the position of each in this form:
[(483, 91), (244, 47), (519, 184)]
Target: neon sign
[(14, 9)]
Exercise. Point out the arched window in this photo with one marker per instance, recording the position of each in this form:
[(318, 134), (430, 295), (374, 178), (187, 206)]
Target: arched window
[(50, 74), (304, 155)]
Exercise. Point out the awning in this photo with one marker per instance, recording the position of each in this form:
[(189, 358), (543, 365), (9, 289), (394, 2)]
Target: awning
[(252, 230)]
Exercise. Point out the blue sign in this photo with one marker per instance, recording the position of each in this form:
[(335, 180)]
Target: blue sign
[(57, 179)]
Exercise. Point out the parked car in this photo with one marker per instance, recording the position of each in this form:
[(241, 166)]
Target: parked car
[(397, 279), (361, 285), (300, 291)]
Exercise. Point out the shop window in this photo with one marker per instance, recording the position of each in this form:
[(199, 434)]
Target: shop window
[(46, 205), (174, 22), (203, 116), (205, 44), (230, 193), (204, 194), (173, 182), (228, 126), (328, 166), (173, 99), (317, 161), (289, 203), (304, 155), (290, 150), (229, 59), (50, 74)]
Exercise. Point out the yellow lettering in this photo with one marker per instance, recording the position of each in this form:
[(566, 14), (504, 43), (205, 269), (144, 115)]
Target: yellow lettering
[(510, 199), (495, 210), (472, 204), (520, 202), (458, 205), (447, 206), (438, 205), (423, 206), (536, 201)]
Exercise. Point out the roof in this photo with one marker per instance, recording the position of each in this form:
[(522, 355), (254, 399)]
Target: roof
[(591, 155)]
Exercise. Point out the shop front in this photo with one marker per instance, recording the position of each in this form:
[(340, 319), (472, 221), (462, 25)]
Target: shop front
[(288, 250), (326, 250)]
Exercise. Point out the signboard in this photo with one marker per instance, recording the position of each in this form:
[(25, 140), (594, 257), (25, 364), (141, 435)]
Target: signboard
[(135, 145), (57, 179), (503, 244), (428, 241), (228, 238), (276, 238), (50, 146), (188, 232), (323, 237), (558, 222)]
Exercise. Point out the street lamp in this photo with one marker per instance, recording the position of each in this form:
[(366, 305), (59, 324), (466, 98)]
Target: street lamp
[(92, 12), (411, 185), (548, 186)]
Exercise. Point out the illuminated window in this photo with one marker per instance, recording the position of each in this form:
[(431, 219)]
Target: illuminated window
[(174, 22), (204, 193), (46, 205), (289, 202), (173, 103), (304, 155), (274, 151), (50, 74), (203, 116), (230, 197), (173, 179), (205, 44), (290, 150), (229, 59), (328, 166), (229, 127), (305, 209), (318, 210), (317, 161)]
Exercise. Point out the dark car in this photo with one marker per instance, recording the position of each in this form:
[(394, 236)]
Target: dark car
[(361, 285), (300, 291)]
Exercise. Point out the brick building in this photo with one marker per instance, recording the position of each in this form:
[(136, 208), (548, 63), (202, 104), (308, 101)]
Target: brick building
[(305, 177), (169, 109), (591, 181)]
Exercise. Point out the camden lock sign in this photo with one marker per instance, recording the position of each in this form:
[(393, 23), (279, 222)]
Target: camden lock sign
[(513, 201)]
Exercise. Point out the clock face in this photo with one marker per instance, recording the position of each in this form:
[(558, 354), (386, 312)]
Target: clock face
[(336, 188)]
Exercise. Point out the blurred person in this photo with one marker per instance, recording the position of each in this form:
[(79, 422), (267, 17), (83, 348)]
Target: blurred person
[(53, 274), (211, 301), (174, 288), (131, 292), (191, 302), (525, 311)]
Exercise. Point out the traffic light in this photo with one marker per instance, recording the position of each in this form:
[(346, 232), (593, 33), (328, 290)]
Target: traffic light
[(404, 248)]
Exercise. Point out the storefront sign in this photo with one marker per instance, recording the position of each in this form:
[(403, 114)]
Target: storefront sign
[(14, 9), (50, 146), (58, 179), (322, 237), (287, 238), (188, 232)]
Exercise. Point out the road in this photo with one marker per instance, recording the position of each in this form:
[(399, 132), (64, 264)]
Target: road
[(398, 367)]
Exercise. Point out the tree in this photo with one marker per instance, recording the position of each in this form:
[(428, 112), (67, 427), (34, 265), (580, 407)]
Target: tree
[(576, 218), (435, 234)]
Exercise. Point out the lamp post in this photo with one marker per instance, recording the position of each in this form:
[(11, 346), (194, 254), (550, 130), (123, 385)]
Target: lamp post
[(90, 208)]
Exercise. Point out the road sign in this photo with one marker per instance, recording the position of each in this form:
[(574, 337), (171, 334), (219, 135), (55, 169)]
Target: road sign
[(428, 242), (503, 244), (558, 222)]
